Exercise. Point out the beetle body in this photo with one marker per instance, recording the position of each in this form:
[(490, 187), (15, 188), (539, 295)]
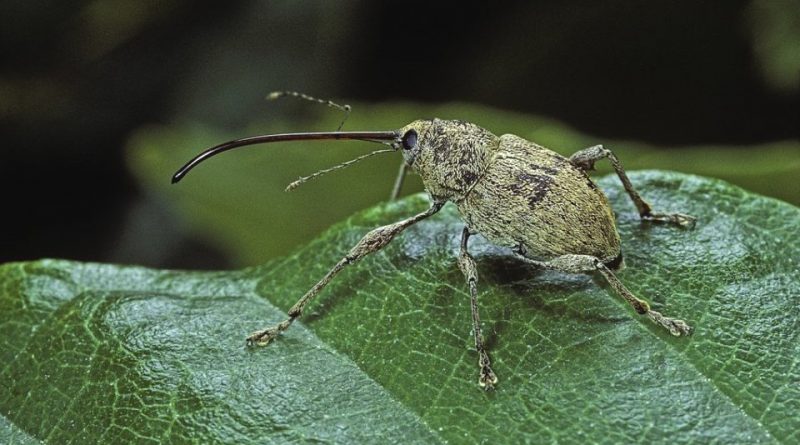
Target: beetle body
[(514, 192)]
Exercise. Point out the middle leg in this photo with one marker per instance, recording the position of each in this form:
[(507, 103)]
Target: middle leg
[(467, 265)]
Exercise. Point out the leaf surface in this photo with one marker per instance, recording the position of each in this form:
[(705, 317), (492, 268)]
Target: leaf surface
[(103, 353)]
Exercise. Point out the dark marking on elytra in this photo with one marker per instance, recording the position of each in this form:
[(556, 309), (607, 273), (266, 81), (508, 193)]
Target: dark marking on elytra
[(469, 178), (548, 170), (535, 186)]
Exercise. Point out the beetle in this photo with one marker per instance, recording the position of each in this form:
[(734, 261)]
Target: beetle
[(515, 193)]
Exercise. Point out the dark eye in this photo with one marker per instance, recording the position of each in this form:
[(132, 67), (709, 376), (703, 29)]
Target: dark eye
[(409, 140)]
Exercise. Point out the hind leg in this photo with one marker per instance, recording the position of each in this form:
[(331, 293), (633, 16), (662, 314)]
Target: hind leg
[(587, 264), (585, 160)]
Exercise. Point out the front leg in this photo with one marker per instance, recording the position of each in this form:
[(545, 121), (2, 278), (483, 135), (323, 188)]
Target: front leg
[(372, 242), (585, 160), (466, 263)]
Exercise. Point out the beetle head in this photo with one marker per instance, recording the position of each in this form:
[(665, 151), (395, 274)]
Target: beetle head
[(449, 155)]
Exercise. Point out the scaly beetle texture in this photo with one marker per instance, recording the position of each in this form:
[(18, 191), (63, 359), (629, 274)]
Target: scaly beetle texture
[(514, 192)]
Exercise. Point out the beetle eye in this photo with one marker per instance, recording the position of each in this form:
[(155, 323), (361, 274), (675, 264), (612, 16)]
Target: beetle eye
[(409, 140)]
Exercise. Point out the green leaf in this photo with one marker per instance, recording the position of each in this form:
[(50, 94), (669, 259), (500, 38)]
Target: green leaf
[(107, 354), (236, 202)]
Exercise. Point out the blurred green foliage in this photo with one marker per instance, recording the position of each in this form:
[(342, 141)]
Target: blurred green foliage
[(775, 33), (236, 200)]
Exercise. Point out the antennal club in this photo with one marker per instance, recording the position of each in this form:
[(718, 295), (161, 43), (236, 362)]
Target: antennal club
[(344, 108)]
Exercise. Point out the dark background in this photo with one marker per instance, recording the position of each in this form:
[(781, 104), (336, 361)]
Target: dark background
[(78, 77)]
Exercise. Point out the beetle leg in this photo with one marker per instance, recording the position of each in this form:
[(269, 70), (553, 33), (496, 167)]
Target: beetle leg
[(586, 264), (372, 242), (585, 160), (466, 263), (398, 182)]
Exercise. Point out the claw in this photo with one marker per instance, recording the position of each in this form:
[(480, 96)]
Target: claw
[(679, 219), (678, 327), (488, 379), (683, 220), (675, 327), (262, 337)]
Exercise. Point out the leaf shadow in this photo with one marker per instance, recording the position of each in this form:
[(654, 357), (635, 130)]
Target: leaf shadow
[(539, 291)]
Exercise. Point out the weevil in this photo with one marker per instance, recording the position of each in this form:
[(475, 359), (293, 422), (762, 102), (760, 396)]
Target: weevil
[(515, 193)]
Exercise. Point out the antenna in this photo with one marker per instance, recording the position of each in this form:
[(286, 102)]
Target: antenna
[(344, 108), (303, 179)]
